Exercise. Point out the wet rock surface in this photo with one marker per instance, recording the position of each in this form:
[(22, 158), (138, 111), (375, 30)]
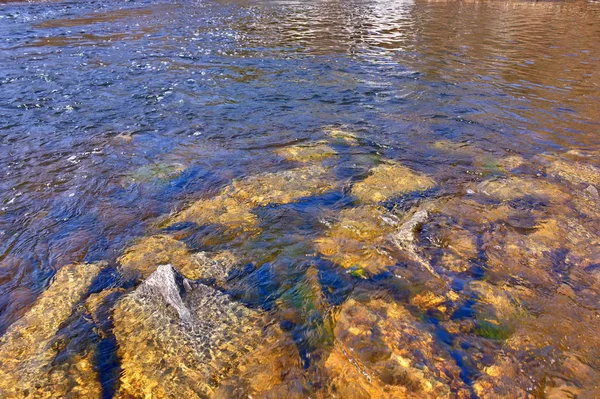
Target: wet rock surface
[(382, 351), (391, 180), (197, 335), (30, 349), (309, 152), (357, 239)]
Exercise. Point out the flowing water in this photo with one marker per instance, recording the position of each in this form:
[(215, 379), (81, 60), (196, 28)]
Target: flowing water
[(394, 198)]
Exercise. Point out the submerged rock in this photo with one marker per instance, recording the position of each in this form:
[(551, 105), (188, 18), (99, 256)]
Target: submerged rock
[(342, 136), (179, 339), (139, 260), (382, 351), (307, 152), (515, 187), (574, 168), (27, 353), (282, 187), (154, 172), (358, 238), (390, 180), (223, 210), (233, 206), (405, 236), (484, 160), (216, 265), (554, 354)]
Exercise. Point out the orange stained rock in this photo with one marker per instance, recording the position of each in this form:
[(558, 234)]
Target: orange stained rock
[(358, 238), (382, 351), (390, 180), (141, 258), (26, 351), (309, 152)]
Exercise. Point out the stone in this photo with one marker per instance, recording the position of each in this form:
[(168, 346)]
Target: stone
[(592, 191), (481, 159), (183, 339), (139, 260), (461, 246), (154, 172), (27, 353), (216, 265), (357, 240), (309, 152), (282, 187), (342, 136), (575, 172), (404, 239), (223, 210), (382, 351), (390, 180), (515, 187), (233, 207)]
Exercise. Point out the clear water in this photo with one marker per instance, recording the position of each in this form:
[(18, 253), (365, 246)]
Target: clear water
[(114, 114)]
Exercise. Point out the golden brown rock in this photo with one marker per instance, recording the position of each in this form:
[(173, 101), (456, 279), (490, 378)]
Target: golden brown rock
[(232, 208), (481, 159), (357, 240), (515, 187), (187, 345), (428, 300), (382, 351), (282, 187), (306, 152), (216, 265), (341, 135), (461, 246), (140, 259), (222, 209), (26, 351), (574, 169), (390, 180)]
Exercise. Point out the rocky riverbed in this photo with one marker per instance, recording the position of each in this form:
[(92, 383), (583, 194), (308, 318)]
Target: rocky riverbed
[(407, 291)]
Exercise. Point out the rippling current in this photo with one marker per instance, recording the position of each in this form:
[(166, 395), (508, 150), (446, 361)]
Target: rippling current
[(117, 117)]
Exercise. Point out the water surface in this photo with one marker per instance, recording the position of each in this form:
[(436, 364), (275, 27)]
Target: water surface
[(114, 115)]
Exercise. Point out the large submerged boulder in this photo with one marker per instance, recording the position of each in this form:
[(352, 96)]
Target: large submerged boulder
[(180, 339), (357, 240), (233, 207)]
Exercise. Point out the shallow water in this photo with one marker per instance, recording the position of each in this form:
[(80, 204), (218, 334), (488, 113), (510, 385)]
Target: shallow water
[(128, 120)]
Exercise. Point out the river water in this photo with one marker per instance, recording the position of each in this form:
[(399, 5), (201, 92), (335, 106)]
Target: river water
[(121, 122)]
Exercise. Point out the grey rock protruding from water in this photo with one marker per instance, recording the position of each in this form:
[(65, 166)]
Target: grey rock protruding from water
[(404, 239), (163, 283)]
